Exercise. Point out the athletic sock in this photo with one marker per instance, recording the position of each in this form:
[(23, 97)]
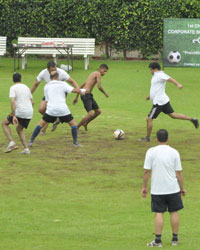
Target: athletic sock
[(35, 133), (158, 238), (175, 237), (74, 134)]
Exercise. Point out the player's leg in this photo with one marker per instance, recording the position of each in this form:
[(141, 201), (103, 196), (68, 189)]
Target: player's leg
[(96, 113), (5, 125), (36, 131), (42, 110), (185, 117), (86, 119), (22, 137)]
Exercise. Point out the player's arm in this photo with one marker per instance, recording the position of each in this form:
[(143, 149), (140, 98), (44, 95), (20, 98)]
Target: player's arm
[(99, 85), (13, 107), (175, 82), (73, 83), (145, 182), (180, 182), (35, 85), (76, 98)]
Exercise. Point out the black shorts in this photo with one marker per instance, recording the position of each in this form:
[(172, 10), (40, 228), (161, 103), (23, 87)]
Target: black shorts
[(22, 121), (157, 109), (170, 202), (52, 119), (89, 102), (43, 98)]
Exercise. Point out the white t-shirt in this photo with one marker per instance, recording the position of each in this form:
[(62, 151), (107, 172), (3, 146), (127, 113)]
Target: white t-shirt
[(44, 75), (22, 95), (157, 90), (55, 95), (163, 161)]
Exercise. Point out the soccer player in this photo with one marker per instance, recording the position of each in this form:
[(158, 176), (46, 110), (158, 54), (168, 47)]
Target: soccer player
[(160, 100), (55, 96), (22, 111), (45, 75), (89, 103), (164, 164)]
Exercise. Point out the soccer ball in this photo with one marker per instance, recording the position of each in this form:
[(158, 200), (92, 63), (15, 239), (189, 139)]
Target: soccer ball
[(174, 57), (119, 134)]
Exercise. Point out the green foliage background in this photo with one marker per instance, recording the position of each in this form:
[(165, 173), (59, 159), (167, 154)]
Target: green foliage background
[(122, 24)]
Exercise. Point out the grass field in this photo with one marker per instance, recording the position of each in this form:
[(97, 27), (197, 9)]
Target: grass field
[(89, 198)]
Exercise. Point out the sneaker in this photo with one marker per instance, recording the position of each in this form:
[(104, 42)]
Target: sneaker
[(195, 122), (26, 151), (30, 144), (77, 145), (55, 125), (42, 133), (154, 244), (147, 138), (11, 147), (174, 242)]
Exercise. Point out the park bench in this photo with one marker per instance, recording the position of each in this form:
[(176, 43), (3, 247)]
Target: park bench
[(53, 46), (2, 45)]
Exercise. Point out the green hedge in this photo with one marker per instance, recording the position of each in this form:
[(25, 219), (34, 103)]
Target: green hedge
[(122, 24)]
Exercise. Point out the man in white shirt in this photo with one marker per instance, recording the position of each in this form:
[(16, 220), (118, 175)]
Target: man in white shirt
[(160, 100), (45, 75), (164, 164), (22, 112), (55, 96)]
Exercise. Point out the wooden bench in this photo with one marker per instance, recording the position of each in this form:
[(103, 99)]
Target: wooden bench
[(80, 46), (2, 45)]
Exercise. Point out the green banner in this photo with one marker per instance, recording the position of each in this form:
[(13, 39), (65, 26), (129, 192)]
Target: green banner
[(181, 42)]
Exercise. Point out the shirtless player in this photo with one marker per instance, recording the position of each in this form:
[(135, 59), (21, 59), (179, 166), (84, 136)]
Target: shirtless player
[(88, 100)]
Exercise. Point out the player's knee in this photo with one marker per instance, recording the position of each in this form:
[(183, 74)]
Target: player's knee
[(148, 119), (172, 115), (98, 112)]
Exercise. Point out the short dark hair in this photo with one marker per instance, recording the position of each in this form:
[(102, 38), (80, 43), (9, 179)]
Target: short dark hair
[(53, 74), (162, 135), (17, 77), (103, 66), (154, 65), (51, 64)]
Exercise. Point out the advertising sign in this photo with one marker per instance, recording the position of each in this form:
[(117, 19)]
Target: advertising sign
[(181, 42)]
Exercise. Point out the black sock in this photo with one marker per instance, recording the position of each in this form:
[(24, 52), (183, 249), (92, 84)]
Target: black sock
[(158, 238), (175, 237)]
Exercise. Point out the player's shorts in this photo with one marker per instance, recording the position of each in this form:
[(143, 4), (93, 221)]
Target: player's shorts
[(52, 119), (157, 109), (43, 98), (22, 121), (89, 102), (170, 202)]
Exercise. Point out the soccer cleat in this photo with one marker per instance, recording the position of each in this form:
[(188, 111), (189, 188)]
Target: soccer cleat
[(195, 122), (55, 125), (174, 242), (30, 144), (147, 138), (154, 244), (77, 145), (11, 147), (26, 151)]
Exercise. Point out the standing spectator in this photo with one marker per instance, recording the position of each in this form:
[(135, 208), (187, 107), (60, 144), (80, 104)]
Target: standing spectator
[(160, 100), (45, 75), (22, 111), (166, 185)]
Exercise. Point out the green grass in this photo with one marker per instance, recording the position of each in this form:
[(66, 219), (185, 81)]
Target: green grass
[(64, 198)]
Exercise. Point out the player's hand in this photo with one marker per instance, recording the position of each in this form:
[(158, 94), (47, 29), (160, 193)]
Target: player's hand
[(15, 121), (75, 101), (183, 192), (144, 192), (147, 98), (106, 95), (180, 86)]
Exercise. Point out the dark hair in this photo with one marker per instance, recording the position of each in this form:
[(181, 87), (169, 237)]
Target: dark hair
[(17, 77), (162, 135), (154, 65), (51, 64), (53, 74), (103, 66)]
